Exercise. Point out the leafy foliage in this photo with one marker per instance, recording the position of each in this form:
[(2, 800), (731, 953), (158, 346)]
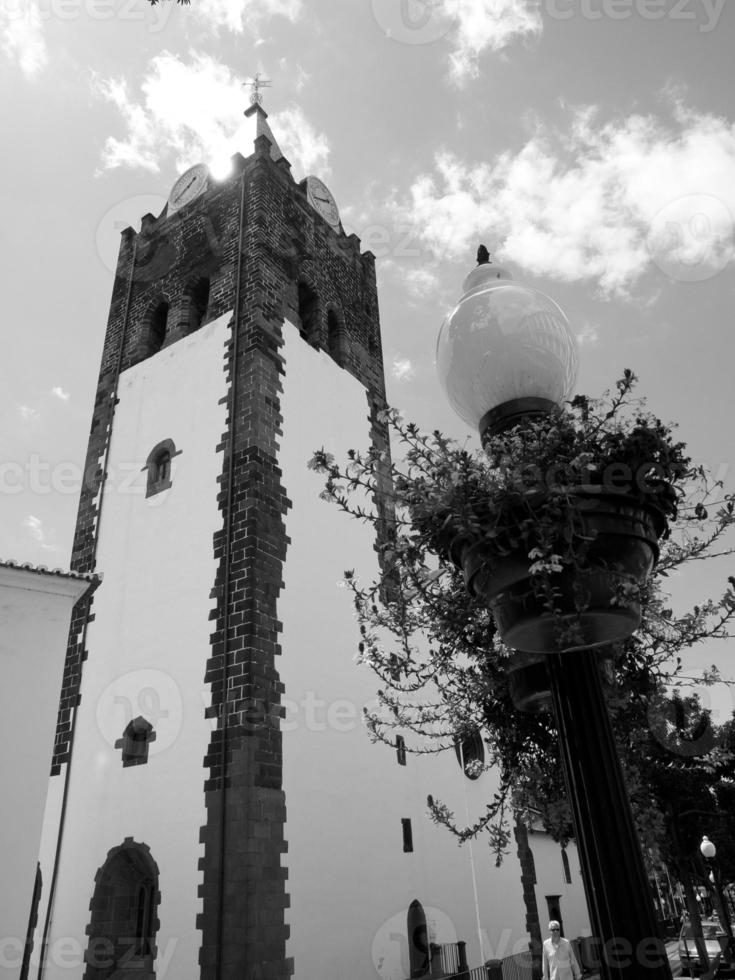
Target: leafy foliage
[(442, 669)]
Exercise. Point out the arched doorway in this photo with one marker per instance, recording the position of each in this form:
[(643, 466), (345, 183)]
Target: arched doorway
[(418, 940), (123, 924)]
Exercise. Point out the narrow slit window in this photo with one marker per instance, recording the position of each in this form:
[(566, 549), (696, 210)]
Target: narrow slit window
[(157, 328), (565, 866), (407, 834), (198, 295), (308, 313), (334, 337)]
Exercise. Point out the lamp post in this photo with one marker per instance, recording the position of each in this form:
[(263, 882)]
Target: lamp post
[(709, 853), (505, 355)]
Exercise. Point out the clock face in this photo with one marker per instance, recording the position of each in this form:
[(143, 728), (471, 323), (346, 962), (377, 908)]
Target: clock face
[(189, 185), (322, 201)]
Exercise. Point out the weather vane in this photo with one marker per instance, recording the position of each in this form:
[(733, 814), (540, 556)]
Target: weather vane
[(255, 84)]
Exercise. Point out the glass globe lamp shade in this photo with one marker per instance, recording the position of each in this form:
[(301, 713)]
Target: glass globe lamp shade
[(707, 848), (506, 350)]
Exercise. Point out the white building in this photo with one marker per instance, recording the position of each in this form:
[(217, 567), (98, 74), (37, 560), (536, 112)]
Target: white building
[(35, 610)]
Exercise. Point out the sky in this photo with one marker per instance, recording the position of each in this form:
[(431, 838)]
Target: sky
[(590, 144)]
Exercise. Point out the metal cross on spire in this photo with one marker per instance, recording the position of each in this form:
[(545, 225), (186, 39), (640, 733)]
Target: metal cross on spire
[(255, 84)]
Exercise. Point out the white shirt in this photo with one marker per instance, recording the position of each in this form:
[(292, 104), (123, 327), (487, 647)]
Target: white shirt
[(559, 961)]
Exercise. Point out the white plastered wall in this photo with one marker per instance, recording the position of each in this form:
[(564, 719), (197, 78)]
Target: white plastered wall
[(349, 880), (147, 651), (551, 881), (35, 610)]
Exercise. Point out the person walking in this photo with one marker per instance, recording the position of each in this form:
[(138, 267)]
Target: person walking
[(559, 961)]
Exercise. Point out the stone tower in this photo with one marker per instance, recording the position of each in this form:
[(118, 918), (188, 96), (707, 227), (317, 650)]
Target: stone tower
[(181, 646)]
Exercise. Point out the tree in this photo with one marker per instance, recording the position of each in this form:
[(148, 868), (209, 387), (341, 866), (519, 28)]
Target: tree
[(443, 671)]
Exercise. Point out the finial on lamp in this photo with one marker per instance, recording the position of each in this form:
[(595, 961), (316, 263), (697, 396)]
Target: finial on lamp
[(483, 256)]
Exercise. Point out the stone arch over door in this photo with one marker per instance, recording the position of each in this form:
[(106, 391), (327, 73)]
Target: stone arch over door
[(124, 915)]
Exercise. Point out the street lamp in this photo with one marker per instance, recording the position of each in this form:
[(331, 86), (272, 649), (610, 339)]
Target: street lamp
[(709, 853), (506, 354)]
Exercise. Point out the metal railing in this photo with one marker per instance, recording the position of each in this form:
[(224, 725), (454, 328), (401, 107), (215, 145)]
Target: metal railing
[(518, 967), (449, 959)]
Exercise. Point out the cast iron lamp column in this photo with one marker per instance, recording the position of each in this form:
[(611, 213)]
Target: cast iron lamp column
[(504, 354), (709, 853)]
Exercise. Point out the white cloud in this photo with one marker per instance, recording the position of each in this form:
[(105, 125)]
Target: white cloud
[(587, 335), (21, 35), (300, 142), (59, 393), (194, 111), (487, 25), (239, 15), (39, 533), (604, 203), (27, 413), (402, 369), (298, 75), (420, 282)]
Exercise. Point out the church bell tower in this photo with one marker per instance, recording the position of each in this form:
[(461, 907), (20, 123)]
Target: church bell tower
[(215, 809), (164, 845)]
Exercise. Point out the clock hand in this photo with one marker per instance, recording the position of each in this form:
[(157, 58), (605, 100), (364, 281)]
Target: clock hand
[(185, 189)]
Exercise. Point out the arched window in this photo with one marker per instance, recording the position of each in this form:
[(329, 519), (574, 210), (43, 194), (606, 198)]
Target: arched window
[(308, 313), (135, 740), (157, 322), (197, 294), (123, 923), (158, 466), (335, 337), (470, 754)]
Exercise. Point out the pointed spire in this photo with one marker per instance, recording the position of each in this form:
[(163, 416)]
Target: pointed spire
[(257, 113)]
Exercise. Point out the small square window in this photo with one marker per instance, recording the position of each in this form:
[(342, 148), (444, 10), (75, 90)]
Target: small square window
[(135, 740)]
